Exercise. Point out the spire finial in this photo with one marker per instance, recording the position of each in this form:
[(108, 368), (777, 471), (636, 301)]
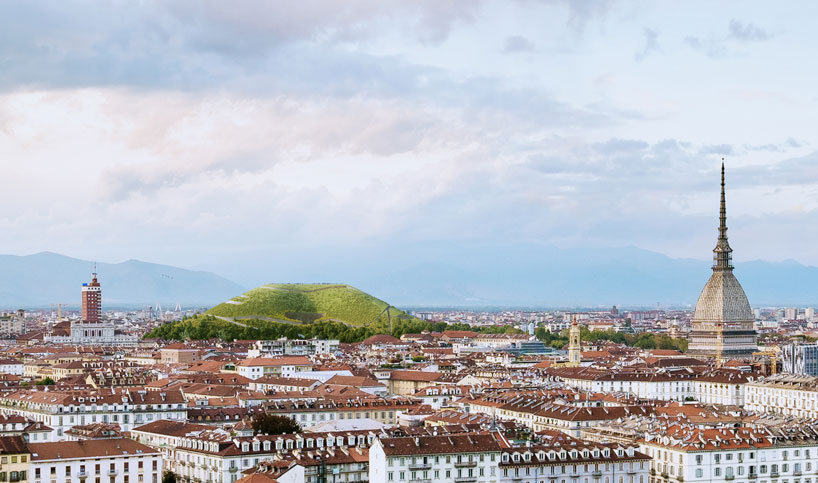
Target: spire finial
[(722, 258)]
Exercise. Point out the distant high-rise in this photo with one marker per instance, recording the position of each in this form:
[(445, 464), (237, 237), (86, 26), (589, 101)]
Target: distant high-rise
[(92, 300), (799, 359), (723, 324)]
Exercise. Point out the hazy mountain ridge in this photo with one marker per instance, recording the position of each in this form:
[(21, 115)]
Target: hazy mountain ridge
[(48, 278), (537, 275), (520, 275)]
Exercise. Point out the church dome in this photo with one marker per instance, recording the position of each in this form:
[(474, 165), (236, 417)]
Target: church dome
[(723, 300)]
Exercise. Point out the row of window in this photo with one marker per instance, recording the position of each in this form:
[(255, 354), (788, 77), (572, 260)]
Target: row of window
[(426, 474)]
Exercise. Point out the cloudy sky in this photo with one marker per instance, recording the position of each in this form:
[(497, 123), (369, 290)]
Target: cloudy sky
[(222, 135)]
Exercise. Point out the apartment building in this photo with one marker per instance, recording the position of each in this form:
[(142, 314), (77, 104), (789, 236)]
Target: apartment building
[(744, 455), (61, 410), (461, 458), (113, 461), (785, 394), (315, 411), (195, 451), (723, 386), (543, 413), (574, 461), (257, 367)]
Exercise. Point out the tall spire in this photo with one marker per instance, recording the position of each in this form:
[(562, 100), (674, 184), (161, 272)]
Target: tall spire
[(722, 254)]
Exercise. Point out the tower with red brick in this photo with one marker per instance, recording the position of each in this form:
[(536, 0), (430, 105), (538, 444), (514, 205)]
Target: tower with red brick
[(92, 300)]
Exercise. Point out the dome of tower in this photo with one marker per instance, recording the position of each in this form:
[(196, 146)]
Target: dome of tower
[(723, 300)]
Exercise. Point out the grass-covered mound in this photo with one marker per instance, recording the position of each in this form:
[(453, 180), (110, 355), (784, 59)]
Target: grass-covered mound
[(308, 303)]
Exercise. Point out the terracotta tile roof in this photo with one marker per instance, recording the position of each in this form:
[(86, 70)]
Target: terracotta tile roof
[(257, 478), (446, 444), (419, 376), (171, 428), (353, 381), (13, 445), (92, 448)]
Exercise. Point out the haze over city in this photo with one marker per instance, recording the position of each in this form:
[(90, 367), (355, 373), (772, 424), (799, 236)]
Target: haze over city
[(332, 141)]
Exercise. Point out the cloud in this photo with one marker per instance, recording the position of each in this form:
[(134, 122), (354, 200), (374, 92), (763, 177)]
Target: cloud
[(518, 43), (722, 46), (184, 45), (747, 32), (651, 45)]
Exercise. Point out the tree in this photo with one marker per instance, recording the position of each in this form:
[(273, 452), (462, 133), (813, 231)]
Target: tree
[(274, 424), (169, 477), (46, 382)]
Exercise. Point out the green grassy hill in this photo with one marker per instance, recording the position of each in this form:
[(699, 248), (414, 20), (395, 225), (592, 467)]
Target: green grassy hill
[(306, 303)]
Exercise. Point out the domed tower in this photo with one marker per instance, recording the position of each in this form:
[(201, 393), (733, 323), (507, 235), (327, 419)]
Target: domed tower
[(723, 323)]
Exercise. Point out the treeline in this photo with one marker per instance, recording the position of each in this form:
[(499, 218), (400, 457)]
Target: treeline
[(642, 340), (209, 327)]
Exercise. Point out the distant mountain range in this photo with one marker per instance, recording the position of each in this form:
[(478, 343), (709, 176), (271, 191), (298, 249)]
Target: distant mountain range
[(536, 276), (418, 275), (520, 274), (48, 278)]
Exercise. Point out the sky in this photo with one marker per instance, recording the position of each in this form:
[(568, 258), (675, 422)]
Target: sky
[(243, 136)]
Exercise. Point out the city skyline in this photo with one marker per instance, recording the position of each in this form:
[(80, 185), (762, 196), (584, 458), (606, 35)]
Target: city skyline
[(233, 141)]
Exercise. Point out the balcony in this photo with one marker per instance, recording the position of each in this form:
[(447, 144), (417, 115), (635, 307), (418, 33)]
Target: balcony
[(729, 477), (664, 474), (420, 481), (596, 473), (465, 464), (465, 479), (796, 473), (112, 472), (420, 466), (774, 474), (752, 476)]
